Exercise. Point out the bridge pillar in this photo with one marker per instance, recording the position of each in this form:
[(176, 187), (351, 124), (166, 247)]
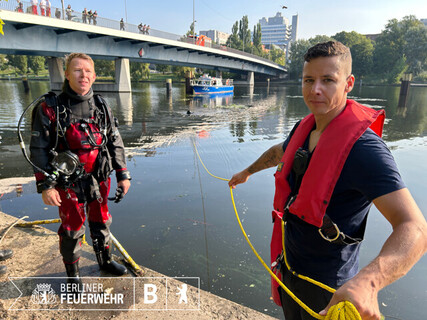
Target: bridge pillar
[(122, 75), (250, 78), (56, 73)]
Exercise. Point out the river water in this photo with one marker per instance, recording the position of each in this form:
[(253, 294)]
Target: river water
[(179, 221)]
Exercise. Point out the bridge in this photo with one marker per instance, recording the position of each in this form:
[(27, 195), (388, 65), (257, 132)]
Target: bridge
[(29, 34)]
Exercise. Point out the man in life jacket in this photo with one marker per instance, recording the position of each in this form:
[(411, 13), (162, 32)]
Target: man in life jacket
[(330, 170), (77, 129)]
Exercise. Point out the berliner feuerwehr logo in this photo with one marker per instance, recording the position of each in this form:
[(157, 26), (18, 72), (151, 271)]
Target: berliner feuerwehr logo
[(43, 294)]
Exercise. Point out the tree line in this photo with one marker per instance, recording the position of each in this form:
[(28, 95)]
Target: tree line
[(400, 48)]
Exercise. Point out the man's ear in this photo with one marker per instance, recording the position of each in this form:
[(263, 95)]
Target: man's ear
[(350, 83)]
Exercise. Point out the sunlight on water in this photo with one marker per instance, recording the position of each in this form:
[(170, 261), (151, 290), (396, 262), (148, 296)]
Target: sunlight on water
[(178, 220)]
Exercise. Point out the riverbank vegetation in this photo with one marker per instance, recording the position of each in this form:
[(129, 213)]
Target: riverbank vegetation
[(377, 59)]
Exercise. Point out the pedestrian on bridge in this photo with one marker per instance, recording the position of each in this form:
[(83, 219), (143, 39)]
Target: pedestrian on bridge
[(48, 8), (84, 15), (94, 16), (69, 12), (122, 24), (34, 4), (43, 7)]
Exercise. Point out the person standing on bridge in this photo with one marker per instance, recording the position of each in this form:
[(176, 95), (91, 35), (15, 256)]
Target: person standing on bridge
[(122, 24), (43, 7), (330, 170), (48, 8), (78, 127), (84, 16), (34, 4), (94, 16), (69, 12)]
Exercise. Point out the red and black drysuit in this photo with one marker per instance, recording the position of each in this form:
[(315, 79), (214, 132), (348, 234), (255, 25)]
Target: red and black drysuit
[(82, 119)]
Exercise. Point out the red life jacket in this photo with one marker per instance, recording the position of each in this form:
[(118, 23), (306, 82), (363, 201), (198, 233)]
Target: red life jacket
[(323, 171)]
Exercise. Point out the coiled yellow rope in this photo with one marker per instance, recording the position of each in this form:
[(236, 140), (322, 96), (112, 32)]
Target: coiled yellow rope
[(344, 310)]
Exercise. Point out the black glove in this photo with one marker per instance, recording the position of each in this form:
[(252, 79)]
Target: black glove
[(118, 196)]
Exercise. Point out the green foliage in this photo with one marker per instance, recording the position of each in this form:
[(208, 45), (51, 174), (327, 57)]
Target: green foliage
[(297, 51), (139, 71), (104, 68), (180, 71), (278, 56), (36, 64), (233, 40), (257, 45), (245, 34), (19, 63), (415, 49), (3, 62), (362, 51), (191, 31), (163, 68), (397, 43)]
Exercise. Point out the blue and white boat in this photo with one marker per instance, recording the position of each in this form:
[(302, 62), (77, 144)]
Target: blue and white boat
[(207, 85)]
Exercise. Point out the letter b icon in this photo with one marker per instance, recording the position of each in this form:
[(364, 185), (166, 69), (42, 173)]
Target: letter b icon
[(150, 295)]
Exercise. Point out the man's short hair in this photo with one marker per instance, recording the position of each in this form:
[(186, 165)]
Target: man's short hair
[(328, 49), (79, 55)]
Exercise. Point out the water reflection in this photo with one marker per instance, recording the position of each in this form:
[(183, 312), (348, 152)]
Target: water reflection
[(176, 219)]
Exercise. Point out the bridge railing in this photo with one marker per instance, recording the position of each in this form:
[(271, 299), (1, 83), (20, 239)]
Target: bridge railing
[(77, 16)]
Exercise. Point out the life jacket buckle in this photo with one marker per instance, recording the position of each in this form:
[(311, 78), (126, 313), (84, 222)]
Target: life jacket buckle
[(326, 237)]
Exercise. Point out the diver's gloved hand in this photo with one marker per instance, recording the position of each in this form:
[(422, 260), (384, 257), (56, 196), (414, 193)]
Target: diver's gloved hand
[(118, 196)]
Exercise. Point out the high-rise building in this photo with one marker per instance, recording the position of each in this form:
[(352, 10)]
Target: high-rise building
[(277, 31), (217, 37)]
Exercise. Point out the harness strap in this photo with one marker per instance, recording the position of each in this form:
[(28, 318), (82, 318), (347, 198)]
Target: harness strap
[(331, 233)]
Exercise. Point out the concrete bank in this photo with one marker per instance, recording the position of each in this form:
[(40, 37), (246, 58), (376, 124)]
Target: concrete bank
[(36, 255)]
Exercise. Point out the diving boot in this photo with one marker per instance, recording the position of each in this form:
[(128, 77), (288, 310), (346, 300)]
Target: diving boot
[(74, 282), (106, 263)]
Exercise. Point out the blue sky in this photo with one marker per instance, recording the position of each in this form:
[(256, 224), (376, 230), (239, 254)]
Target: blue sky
[(315, 16)]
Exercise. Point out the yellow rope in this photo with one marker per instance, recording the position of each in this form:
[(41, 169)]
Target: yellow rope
[(344, 310)]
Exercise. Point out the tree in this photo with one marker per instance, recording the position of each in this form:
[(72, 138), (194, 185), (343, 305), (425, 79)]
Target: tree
[(415, 49), (297, 52), (3, 62), (163, 68), (362, 50), (105, 68), (191, 31), (36, 64), (233, 40), (20, 63), (245, 34), (180, 71), (390, 47), (139, 71), (277, 55), (256, 39)]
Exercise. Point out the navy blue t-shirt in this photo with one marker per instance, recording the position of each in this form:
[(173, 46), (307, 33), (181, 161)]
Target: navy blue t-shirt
[(368, 173)]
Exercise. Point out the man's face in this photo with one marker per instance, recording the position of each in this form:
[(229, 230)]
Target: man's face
[(325, 84), (81, 75)]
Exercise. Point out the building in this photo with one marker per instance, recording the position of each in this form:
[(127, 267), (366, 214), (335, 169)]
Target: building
[(277, 31), (217, 37)]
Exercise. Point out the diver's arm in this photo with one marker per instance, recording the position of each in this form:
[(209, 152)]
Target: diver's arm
[(268, 159)]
